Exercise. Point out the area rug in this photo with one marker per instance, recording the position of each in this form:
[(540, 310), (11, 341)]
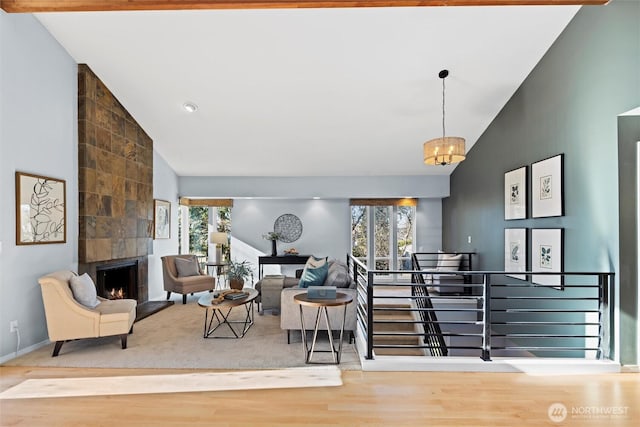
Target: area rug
[(172, 338), (328, 376)]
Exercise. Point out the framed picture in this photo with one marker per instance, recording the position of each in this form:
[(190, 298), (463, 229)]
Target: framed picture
[(547, 187), (547, 256), (515, 252), (40, 209), (162, 219), (515, 194)]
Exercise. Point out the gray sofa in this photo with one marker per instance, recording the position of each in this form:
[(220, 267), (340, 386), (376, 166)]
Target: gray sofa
[(277, 292)]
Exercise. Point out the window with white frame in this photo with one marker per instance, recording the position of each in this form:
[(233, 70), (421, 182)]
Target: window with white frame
[(383, 232)]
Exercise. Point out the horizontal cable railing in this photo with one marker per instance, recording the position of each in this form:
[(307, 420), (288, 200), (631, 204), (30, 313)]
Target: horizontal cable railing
[(496, 315)]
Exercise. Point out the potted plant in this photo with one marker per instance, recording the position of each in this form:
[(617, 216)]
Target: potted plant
[(273, 237), (238, 272)]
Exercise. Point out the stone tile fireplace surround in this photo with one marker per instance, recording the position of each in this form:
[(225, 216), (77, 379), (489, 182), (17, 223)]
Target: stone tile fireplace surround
[(115, 180)]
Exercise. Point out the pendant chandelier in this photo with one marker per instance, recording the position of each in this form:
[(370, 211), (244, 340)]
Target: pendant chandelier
[(446, 149)]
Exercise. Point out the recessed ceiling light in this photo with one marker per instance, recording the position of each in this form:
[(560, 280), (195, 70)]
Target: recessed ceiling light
[(189, 107)]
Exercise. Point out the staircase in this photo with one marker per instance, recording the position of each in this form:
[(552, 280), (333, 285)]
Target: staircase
[(395, 313)]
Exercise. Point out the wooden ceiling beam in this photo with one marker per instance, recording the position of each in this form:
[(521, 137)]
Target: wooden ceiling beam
[(30, 6)]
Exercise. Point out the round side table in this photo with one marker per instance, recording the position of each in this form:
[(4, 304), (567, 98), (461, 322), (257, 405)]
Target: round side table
[(341, 300)]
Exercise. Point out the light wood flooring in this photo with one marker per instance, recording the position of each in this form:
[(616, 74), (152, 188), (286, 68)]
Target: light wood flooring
[(366, 398)]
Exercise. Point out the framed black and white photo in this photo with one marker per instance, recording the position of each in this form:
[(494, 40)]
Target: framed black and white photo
[(515, 194), (515, 252), (40, 209), (162, 219), (547, 256), (547, 187)]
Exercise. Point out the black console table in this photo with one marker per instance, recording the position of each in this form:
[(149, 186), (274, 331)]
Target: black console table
[(280, 260)]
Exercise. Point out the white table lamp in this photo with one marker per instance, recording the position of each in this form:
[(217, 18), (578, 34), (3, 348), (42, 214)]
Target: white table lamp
[(218, 238)]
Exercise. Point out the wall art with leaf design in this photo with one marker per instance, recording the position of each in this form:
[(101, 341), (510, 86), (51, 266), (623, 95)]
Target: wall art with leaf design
[(547, 187), (40, 209), (547, 256)]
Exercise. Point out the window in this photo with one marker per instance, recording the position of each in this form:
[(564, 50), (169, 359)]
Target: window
[(197, 219), (383, 232)]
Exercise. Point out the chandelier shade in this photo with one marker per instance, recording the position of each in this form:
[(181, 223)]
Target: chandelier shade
[(446, 149)]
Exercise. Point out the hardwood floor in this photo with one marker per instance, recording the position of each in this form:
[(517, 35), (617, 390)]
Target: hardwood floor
[(366, 398)]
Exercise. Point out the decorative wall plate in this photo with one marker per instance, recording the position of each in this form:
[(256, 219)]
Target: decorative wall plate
[(288, 227)]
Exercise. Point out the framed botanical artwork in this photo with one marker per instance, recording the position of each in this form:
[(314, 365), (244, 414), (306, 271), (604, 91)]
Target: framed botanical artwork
[(40, 209), (547, 256), (162, 219), (547, 187), (515, 194), (515, 252)]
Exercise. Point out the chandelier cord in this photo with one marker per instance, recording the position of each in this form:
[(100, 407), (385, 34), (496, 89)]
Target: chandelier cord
[(443, 134)]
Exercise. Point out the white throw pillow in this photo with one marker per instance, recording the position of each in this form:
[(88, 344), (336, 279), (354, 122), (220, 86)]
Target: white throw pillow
[(84, 290), (448, 262)]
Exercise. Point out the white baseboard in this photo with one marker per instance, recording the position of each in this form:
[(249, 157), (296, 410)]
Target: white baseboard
[(630, 368), (23, 351)]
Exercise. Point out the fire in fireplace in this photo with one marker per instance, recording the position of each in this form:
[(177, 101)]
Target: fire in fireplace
[(117, 280)]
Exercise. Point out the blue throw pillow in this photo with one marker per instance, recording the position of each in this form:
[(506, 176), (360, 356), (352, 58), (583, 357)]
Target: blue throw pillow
[(313, 276)]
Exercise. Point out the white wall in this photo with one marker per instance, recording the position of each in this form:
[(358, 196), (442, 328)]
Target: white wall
[(165, 187), (38, 134)]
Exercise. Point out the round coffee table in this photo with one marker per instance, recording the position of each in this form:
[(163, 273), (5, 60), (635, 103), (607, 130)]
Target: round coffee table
[(220, 312), (341, 300)]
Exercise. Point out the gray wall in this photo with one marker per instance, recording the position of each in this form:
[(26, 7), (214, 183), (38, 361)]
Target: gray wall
[(326, 225), (629, 139), (165, 187), (425, 186), (258, 201), (568, 104), (38, 134)]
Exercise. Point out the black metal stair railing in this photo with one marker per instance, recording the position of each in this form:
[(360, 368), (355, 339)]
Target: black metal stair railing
[(432, 331), (499, 315)]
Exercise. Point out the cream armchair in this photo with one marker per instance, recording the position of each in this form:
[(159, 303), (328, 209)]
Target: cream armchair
[(197, 281), (69, 320)]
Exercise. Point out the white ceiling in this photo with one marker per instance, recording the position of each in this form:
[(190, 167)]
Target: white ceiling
[(310, 92)]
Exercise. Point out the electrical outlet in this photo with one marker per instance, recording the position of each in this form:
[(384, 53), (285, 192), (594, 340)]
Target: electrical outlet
[(468, 239), (13, 326)]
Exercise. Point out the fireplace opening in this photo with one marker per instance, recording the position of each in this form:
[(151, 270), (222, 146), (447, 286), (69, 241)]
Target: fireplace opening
[(117, 280)]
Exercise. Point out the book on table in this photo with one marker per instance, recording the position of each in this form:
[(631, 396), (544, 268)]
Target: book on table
[(235, 296)]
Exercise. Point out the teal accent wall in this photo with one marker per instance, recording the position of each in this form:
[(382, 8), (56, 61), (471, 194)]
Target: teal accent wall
[(568, 104)]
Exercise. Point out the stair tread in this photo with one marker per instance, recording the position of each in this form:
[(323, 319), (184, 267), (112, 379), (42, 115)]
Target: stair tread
[(375, 306), (398, 352), (396, 341), (388, 313)]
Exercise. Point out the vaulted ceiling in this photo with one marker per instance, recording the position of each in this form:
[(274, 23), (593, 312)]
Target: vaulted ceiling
[(310, 92)]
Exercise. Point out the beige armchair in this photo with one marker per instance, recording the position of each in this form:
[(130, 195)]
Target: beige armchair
[(174, 282), (69, 320)]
